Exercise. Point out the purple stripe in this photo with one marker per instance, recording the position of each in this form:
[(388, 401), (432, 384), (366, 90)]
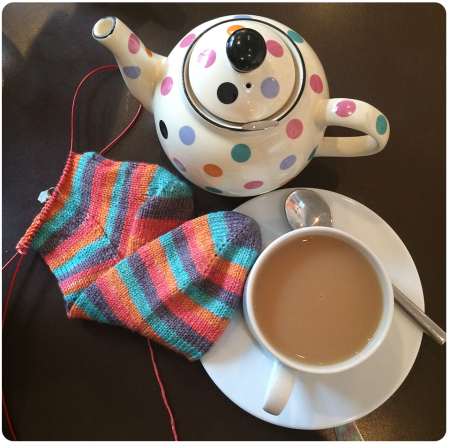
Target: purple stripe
[(96, 297), (173, 208), (103, 254), (205, 285), (123, 205), (242, 230), (160, 310), (74, 223)]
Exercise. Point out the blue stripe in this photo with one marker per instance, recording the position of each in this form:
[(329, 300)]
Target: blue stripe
[(138, 297), (84, 303), (165, 184), (115, 199), (69, 208), (219, 230)]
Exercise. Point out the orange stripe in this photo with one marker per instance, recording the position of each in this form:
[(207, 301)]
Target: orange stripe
[(180, 304), (106, 193), (87, 237)]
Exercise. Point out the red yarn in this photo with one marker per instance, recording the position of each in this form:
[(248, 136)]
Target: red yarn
[(22, 248)]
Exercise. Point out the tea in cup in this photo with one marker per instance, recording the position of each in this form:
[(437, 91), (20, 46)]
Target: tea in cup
[(320, 301)]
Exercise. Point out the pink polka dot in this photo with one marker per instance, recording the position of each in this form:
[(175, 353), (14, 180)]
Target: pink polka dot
[(133, 44), (316, 83), (274, 48), (206, 58), (166, 86), (254, 184), (344, 108), (187, 40), (294, 129)]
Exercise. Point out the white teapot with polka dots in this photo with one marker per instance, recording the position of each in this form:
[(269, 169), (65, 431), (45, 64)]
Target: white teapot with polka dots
[(241, 104)]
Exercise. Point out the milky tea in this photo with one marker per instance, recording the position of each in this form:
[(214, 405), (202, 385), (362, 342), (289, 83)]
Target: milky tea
[(318, 300)]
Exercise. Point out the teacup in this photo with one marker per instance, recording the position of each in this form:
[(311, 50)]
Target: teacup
[(319, 301)]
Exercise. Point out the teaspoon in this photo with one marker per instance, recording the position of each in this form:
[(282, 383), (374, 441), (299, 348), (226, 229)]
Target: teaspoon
[(306, 208)]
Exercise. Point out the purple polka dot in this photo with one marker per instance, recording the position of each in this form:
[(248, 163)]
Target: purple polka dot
[(133, 44), (270, 88), (187, 40), (206, 58), (316, 83), (294, 129), (166, 86), (274, 48), (288, 162), (254, 184), (345, 108), (187, 135), (132, 72), (179, 165)]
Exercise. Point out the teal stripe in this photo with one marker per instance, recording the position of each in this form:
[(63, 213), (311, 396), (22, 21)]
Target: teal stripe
[(161, 328), (89, 308), (115, 199), (183, 280), (243, 256), (81, 256), (219, 230), (69, 208), (165, 184)]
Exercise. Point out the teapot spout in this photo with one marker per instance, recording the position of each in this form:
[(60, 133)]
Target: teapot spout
[(139, 66)]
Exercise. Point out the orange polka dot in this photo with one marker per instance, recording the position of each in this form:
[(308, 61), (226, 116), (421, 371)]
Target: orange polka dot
[(233, 28), (286, 181), (149, 53), (212, 170)]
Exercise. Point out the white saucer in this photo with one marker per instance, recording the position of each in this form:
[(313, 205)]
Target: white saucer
[(241, 368)]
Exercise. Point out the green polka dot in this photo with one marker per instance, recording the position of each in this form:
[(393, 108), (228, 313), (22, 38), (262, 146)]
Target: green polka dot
[(294, 36), (381, 124), (241, 152), (214, 190), (313, 152)]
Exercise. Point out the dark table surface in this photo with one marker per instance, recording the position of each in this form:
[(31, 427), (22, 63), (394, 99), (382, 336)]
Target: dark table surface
[(79, 380)]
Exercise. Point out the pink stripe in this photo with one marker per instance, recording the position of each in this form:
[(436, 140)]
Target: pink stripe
[(116, 305), (133, 207), (197, 254), (170, 301), (65, 285), (229, 283)]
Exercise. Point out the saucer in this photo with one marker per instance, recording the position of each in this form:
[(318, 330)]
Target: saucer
[(240, 367)]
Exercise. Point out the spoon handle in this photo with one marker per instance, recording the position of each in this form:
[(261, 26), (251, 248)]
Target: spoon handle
[(427, 325)]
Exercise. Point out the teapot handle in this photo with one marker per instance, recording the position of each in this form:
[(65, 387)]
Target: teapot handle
[(353, 114)]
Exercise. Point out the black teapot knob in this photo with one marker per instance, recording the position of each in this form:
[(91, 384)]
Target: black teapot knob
[(246, 49)]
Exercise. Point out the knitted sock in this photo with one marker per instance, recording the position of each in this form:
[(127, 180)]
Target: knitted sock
[(181, 289), (102, 211)]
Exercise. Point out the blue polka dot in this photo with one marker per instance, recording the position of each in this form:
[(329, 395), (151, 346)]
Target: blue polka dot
[(241, 152), (381, 124), (313, 152), (270, 88), (288, 162), (132, 72), (214, 190), (294, 36), (187, 135), (242, 16)]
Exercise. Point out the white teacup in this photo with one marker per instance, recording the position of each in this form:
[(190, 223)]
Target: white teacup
[(285, 369)]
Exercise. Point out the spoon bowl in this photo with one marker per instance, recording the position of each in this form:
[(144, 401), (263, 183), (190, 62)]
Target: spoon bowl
[(306, 208)]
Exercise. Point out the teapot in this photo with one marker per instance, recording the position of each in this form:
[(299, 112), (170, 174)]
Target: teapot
[(241, 103)]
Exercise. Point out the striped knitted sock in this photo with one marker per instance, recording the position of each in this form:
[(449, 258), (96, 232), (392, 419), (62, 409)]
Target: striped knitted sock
[(101, 212), (181, 289)]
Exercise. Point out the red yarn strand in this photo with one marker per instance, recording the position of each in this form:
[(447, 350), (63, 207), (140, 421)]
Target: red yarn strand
[(10, 290), (162, 391), (7, 263), (7, 418)]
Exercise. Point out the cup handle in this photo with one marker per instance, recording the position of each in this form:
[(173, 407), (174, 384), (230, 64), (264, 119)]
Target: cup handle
[(279, 388), (353, 114)]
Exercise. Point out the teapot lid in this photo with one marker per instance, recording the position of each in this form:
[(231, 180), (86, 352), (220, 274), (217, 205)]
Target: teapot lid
[(242, 71)]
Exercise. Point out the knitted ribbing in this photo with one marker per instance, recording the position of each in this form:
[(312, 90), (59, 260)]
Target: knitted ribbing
[(101, 212), (182, 289)]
